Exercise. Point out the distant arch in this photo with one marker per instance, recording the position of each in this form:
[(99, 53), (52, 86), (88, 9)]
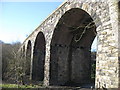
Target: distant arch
[(39, 58), (23, 51), (28, 58)]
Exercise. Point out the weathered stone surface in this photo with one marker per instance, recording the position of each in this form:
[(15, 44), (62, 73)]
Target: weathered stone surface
[(105, 16)]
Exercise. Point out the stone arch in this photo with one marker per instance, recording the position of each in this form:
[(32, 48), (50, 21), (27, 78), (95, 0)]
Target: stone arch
[(28, 58), (23, 51), (38, 57), (70, 48)]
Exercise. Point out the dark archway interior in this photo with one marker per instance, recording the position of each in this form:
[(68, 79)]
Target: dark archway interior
[(70, 62), (23, 51), (28, 58), (38, 58)]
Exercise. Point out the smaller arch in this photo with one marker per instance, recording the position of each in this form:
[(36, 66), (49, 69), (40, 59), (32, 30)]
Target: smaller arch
[(38, 57), (23, 51), (28, 58)]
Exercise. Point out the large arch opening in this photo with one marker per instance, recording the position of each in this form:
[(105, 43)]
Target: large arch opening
[(38, 58), (70, 58), (28, 58)]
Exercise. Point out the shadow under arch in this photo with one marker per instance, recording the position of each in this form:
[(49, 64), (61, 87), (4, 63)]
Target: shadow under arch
[(38, 58), (70, 53), (28, 59)]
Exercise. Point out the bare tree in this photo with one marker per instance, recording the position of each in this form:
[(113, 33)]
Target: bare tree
[(9, 60)]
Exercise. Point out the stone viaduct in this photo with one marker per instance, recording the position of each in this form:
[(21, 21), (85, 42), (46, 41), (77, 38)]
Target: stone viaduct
[(58, 50)]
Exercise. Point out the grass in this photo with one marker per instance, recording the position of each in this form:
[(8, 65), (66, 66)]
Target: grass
[(18, 86)]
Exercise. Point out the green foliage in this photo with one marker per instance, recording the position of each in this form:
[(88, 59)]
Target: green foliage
[(8, 85), (18, 86)]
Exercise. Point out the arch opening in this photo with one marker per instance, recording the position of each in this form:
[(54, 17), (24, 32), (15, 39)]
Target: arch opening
[(38, 58), (28, 59), (23, 51), (70, 62)]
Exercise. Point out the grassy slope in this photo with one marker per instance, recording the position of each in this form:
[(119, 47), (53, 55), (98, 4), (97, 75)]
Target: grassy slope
[(18, 86)]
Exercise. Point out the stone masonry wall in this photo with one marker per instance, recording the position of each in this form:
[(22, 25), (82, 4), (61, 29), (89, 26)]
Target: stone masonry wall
[(105, 16)]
